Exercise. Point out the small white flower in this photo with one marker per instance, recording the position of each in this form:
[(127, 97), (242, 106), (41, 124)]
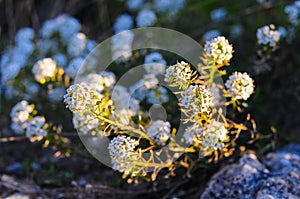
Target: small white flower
[(240, 86), (121, 45), (109, 78), (122, 99), (150, 81), (218, 51), (77, 44), (192, 135), (268, 35), (99, 82), (293, 12), (67, 26), (179, 75), (122, 152), (24, 34), (155, 63), (122, 116), (10, 71), (87, 123), (48, 28), (145, 18), (197, 98), (81, 97), (60, 59), (44, 69), (159, 131), (123, 22), (35, 128), (21, 112), (214, 135), (208, 138)]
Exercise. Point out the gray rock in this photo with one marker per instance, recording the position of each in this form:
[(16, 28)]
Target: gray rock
[(277, 176)]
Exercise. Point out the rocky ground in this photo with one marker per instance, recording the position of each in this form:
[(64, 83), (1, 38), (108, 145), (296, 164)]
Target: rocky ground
[(276, 176)]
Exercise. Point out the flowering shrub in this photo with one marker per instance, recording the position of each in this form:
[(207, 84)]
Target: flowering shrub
[(136, 141)]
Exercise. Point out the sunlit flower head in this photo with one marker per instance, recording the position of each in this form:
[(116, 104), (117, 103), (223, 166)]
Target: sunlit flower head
[(218, 51), (240, 86), (123, 155), (44, 69), (197, 98), (81, 97), (208, 138), (179, 74)]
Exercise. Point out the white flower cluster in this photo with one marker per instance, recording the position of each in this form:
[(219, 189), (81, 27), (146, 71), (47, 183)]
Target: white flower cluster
[(145, 18), (159, 131), (65, 25), (210, 137), (77, 44), (102, 81), (21, 116), (197, 98), (148, 88), (14, 58), (121, 45), (59, 44), (123, 100), (44, 69), (179, 74), (293, 12), (240, 86), (268, 35), (218, 51), (87, 123), (122, 152), (36, 128), (74, 66), (155, 63), (81, 97), (123, 22)]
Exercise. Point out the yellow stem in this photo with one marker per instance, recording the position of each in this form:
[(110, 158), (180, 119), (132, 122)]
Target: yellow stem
[(126, 128)]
